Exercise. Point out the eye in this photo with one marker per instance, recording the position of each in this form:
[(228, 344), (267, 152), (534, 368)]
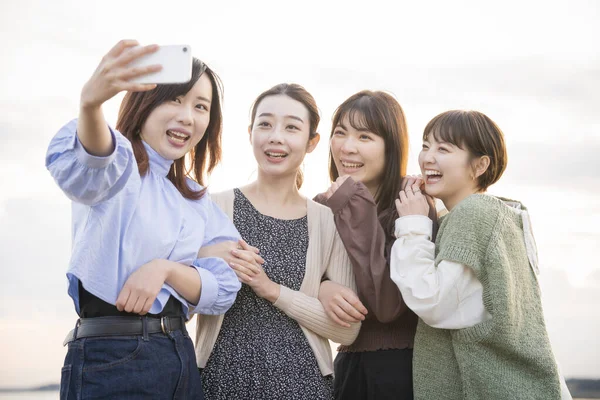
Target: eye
[(443, 149), (425, 146), (263, 124), (292, 127), (177, 100), (201, 107), (339, 133), (364, 137)]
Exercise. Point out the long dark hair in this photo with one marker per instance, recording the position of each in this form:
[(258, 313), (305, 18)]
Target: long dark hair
[(380, 113), (298, 93), (204, 157)]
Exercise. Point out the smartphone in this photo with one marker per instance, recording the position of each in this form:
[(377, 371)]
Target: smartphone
[(176, 61)]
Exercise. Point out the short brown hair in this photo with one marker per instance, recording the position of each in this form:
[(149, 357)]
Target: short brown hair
[(476, 133), (204, 157), (298, 93)]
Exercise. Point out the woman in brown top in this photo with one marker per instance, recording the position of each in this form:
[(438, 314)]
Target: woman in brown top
[(368, 158)]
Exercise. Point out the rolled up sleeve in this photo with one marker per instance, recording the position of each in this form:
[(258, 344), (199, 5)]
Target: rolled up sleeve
[(220, 285)]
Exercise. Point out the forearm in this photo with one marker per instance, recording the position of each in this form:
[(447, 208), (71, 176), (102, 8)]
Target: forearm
[(185, 280), (309, 313), (357, 222), (93, 132)]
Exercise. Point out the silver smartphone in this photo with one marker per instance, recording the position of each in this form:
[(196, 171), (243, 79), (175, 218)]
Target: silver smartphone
[(176, 61)]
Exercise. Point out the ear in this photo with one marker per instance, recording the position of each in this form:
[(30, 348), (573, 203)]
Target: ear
[(481, 165), (250, 133), (312, 143)]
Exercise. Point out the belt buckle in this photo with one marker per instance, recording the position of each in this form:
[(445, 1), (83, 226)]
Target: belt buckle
[(162, 325)]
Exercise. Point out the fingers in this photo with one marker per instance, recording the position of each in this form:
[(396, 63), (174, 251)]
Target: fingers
[(253, 251), (242, 277), (246, 246), (147, 306), (139, 305), (138, 87), (332, 314), (131, 54), (349, 313), (245, 268), (403, 196), (407, 182), (246, 257), (398, 206), (359, 306), (122, 298), (134, 72), (121, 46)]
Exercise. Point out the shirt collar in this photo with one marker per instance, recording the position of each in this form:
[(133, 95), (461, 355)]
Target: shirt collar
[(158, 164)]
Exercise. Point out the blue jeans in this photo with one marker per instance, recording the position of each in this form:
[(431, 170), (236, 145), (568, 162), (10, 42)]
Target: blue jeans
[(131, 367)]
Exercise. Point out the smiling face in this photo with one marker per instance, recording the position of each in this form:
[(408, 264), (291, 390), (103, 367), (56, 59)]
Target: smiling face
[(358, 153), (448, 171), (280, 135), (174, 127)]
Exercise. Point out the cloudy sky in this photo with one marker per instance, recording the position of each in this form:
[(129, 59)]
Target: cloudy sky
[(533, 67)]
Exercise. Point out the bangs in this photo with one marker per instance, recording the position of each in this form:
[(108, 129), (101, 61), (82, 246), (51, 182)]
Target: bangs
[(363, 116), (449, 127), (171, 91)]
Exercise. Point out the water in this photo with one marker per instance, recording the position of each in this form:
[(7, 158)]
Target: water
[(30, 395)]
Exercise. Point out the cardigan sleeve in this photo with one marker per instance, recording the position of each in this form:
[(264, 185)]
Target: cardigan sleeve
[(356, 218), (308, 310)]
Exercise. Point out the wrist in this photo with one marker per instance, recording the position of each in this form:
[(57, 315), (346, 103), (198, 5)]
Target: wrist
[(271, 292), (167, 268)]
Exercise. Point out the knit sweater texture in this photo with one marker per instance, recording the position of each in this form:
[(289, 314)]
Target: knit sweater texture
[(508, 356)]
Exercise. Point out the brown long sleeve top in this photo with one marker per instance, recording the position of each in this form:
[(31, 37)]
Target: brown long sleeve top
[(390, 324)]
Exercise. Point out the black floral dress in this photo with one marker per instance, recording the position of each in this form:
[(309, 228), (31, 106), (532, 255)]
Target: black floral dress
[(260, 352)]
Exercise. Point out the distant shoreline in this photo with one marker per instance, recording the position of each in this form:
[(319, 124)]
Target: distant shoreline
[(579, 388), (54, 387)]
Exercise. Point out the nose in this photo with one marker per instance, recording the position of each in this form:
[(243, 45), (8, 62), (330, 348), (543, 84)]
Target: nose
[(427, 156), (276, 135), (184, 115), (348, 145)]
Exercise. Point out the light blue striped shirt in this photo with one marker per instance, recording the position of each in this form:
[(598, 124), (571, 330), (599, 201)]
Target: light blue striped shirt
[(122, 220)]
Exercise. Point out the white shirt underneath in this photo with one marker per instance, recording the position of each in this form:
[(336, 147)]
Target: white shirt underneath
[(448, 296)]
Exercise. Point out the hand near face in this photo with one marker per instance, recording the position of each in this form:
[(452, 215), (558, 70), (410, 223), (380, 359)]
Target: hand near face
[(113, 74), (411, 200), (335, 186)]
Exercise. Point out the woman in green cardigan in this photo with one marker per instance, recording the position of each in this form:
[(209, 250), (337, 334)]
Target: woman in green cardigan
[(481, 331)]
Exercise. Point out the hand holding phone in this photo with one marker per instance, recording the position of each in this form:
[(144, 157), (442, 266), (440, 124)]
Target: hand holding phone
[(113, 74), (176, 62)]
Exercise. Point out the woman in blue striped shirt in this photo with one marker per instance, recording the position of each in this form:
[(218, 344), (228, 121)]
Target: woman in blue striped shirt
[(138, 223)]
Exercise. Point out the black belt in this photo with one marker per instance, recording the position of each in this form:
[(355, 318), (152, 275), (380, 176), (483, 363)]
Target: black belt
[(124, 326)]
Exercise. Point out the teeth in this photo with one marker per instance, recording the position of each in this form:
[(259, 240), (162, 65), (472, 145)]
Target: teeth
[(178, 134), (430, 173), (351, 165), (277, 155)]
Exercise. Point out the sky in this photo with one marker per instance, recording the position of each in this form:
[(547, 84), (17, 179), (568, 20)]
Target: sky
[(533, 67)]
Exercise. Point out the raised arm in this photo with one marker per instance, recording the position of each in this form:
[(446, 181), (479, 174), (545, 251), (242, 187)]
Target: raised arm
[(111, 77), (356, 219), (90, 162)]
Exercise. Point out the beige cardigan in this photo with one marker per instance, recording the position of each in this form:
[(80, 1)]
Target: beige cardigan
[(325, 257)]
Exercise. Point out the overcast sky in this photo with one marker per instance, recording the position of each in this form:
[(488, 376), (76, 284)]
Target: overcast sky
[(533, 67)]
